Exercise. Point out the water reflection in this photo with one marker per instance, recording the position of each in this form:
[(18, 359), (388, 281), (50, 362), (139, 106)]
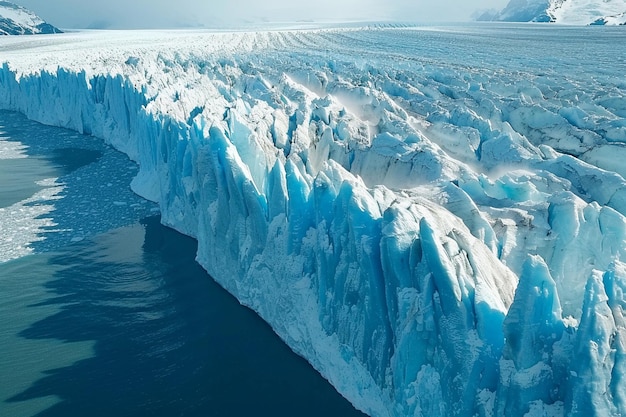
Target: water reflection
[(124, 323), (168, 340)]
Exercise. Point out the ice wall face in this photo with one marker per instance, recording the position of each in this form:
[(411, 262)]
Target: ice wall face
[(376, 201)]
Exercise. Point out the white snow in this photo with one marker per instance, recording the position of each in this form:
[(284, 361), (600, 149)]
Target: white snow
[(375, 194), (584, 12), (20, 15), (16, 20), (566, 12)]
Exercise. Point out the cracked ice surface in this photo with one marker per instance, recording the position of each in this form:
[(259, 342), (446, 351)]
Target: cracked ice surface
[(57, 187), (24, 222), (433, 217)]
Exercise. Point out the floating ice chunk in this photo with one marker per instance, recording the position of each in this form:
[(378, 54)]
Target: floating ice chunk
[(11, 149), (25, 222)]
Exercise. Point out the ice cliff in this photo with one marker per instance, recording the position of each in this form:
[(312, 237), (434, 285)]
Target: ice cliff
[(16, 20), (438, 232), (571, 12)]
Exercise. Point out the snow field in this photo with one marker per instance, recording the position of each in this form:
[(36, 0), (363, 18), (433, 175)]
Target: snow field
[(16, 20), (375, 195), (562, 12), (584, 12)]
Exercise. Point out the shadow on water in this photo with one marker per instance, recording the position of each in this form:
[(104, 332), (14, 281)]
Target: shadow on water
[(71, 159), (92, 181), (169, 341)]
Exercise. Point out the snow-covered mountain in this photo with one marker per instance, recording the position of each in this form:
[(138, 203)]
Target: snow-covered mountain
[(434, 219), (571, 12), (17, 20)]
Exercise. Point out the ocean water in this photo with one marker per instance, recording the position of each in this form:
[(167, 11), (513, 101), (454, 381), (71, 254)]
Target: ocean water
[(110, 315)]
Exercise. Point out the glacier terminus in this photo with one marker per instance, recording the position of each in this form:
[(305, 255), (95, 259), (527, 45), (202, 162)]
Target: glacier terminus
[(432, 216)]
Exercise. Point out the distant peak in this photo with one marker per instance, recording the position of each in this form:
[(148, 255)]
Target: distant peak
[(569, 12), (17, 20)]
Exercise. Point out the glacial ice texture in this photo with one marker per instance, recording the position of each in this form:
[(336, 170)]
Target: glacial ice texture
[(432, 217)]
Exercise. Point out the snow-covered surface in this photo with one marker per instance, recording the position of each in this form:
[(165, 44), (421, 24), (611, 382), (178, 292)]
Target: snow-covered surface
[(19, 14), (433, 217), (17, 20), (584, 12), (569, 12)]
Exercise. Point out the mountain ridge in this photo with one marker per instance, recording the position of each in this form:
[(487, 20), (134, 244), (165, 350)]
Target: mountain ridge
[(17, 20), (569, 12)]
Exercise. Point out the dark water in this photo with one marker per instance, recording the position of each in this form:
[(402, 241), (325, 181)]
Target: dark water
[(125, 323)]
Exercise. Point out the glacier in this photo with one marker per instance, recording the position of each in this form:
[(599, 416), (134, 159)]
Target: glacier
[(432, 216)]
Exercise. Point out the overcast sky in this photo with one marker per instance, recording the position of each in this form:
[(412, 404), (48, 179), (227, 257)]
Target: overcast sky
[(186, 13)]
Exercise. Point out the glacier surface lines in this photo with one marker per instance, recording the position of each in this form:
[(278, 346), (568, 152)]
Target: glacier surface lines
[(432, 217)]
